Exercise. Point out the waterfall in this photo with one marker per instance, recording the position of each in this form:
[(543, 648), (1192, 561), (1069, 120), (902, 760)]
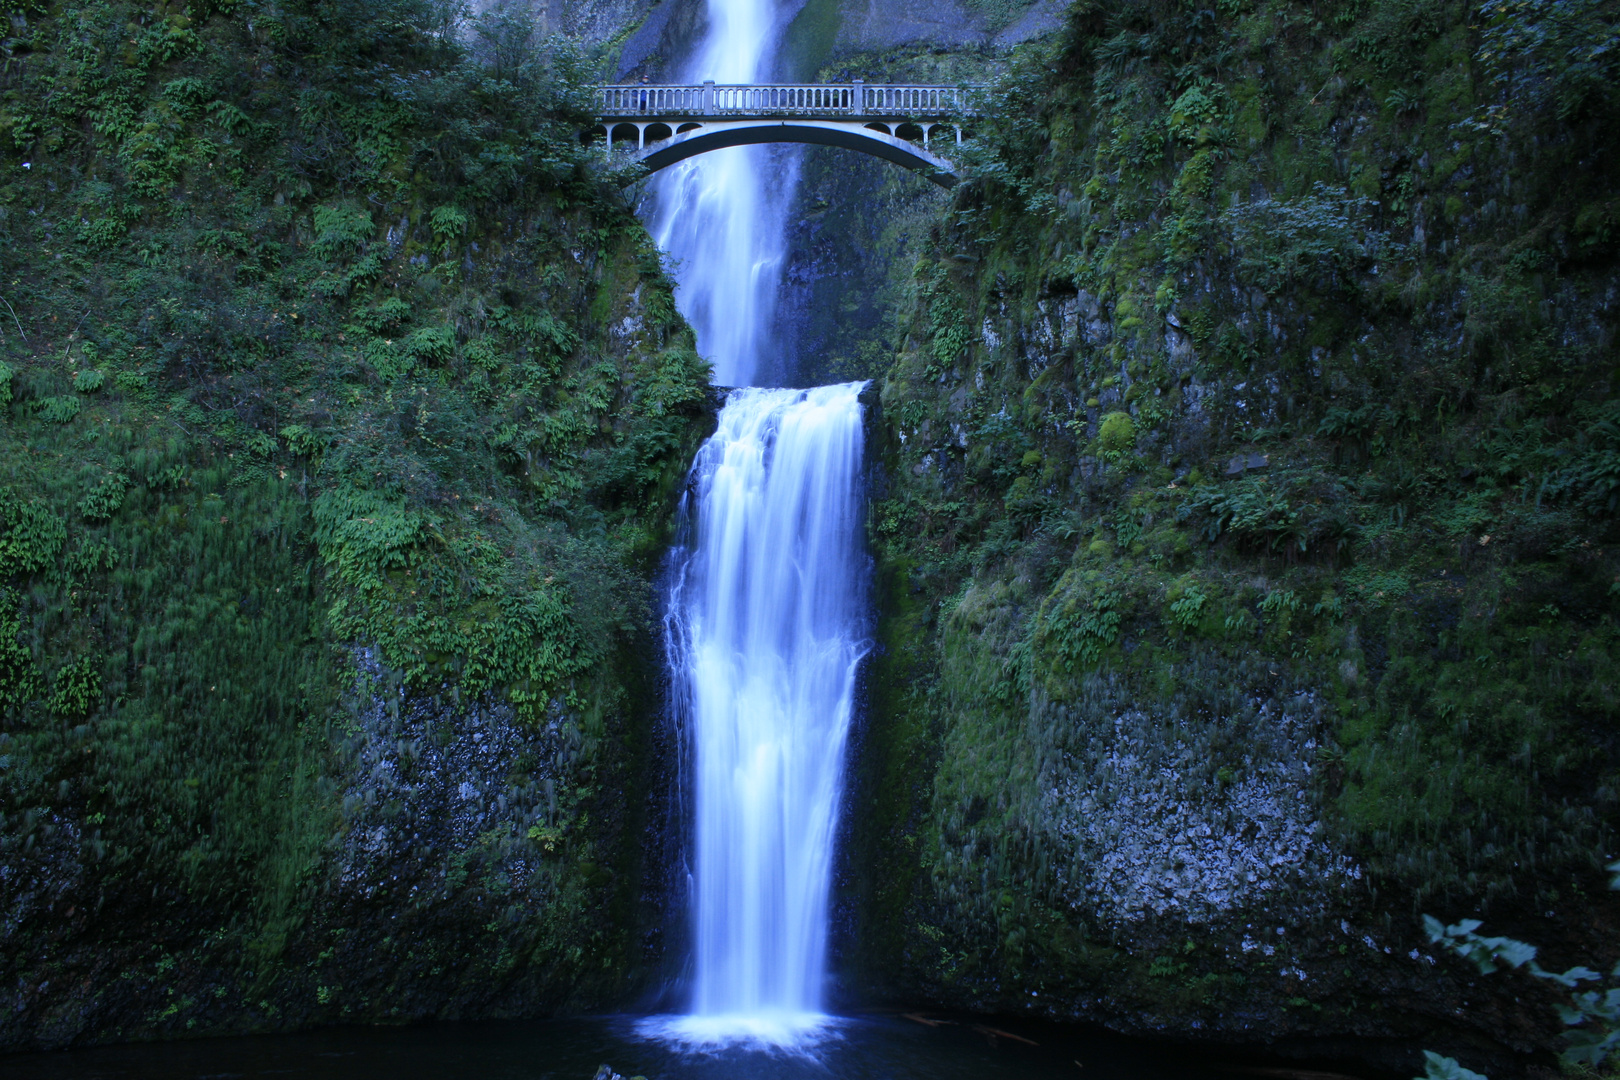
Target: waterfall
[(765, 622), (722, 215), (765, 630)]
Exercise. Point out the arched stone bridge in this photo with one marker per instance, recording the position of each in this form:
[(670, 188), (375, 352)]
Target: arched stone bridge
[(902, 124)]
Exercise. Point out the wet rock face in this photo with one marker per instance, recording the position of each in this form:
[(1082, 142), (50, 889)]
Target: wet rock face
[(466, 865), (43, 876), (429, 784), (664, 35), (882, 24), (41, 888), (665, 30), (592, 21), (1151, 835), (463, 861), (870, 25)]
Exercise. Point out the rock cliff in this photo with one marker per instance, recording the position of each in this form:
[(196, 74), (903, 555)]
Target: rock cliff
[(343, 416)]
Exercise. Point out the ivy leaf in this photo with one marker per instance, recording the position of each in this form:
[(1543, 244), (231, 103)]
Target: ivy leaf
[(1568, 978), (1444, 1068)]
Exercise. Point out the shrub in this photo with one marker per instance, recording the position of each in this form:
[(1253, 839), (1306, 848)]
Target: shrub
[(340, 230), (1592, 480), (1592, 1017), (447, 223), (361, 534), (1186, 611), (61, 409), (1078, 631), (76, 690), (1316, 239), (431, 345), (1193, 113), (19, 681), (101, 234), (1265, 516), (302, 441), (1557, 56)]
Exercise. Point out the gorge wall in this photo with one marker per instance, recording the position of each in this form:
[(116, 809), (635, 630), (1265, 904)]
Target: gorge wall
[(1247, 515), (345, 407), (1249, 530)]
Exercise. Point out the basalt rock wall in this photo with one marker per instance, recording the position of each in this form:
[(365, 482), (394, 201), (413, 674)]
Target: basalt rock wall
[(1245, 552)]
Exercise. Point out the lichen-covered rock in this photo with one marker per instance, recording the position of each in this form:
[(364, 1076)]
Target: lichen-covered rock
[(432, 785), (1148, 834)]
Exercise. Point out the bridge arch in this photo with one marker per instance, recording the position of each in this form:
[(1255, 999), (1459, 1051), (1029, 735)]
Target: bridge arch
[(898, 123), (694, 138)]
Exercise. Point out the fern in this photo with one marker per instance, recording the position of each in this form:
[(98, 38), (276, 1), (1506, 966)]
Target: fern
[(103, 501), (1080, 633), (1187, 611), (340, 230), (1592, 480), (31, 536)]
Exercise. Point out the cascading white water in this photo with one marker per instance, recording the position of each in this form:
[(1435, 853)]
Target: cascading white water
[(765, 632), (765, 612), (721, 215)]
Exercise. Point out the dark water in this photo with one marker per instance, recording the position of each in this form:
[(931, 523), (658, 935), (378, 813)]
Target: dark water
[(864, 1048)]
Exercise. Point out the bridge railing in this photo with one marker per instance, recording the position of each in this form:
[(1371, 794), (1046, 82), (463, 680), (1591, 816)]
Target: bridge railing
[(914, 100), (649, 100), (808, 99)]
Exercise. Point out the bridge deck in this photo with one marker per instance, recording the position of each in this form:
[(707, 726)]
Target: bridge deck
[(822, 100)]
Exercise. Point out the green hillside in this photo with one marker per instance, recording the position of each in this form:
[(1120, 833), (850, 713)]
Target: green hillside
[(1250, 538), (344, 405)]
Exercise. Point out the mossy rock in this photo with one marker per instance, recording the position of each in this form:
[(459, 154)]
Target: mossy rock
[(1117, 432)]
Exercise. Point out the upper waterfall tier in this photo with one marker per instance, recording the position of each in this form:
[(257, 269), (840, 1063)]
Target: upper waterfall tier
[(722, 217)]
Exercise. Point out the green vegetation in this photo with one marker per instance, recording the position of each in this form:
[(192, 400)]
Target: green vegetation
[(1264, 357), (1592, 1019), (308, 374)]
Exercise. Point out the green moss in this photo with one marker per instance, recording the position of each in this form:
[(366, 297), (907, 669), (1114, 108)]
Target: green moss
[(1117, 432), (809, 38)]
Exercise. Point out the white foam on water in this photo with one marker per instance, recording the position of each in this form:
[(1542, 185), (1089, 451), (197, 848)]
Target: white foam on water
[(798, 1034)]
